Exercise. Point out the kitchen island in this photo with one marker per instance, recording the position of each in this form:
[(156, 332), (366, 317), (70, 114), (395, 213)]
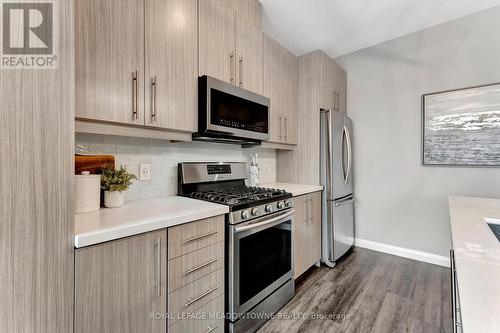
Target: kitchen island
[(477, 263)]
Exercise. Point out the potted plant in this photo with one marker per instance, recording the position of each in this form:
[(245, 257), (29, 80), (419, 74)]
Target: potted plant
[(114, 183)]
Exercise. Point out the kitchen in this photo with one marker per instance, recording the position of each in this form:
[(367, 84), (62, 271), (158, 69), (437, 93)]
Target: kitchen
[(246, 166)]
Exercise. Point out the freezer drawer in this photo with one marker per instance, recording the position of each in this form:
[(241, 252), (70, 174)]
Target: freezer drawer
[(342, 225)]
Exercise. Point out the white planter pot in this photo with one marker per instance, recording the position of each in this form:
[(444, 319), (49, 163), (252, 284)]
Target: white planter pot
[(113, 199)]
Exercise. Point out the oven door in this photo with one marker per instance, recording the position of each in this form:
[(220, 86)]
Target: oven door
[(260, 260)]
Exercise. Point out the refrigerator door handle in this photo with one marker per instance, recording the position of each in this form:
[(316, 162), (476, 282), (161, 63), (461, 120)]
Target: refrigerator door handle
[(345, 175), (329, 191), (349, 154)]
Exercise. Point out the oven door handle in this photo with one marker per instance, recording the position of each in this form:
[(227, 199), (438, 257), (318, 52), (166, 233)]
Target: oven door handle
[(270, 222)]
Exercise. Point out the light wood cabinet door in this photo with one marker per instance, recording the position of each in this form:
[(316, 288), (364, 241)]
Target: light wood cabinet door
[(290, 100), (216, 31), (272, 76), (314, 238), (248, 55), (328, 82), (280, 84), (306, 232), (36, 211), (250, 10), (120, 283), (299, 234), (171, 49), (109, 59), (341, 90)]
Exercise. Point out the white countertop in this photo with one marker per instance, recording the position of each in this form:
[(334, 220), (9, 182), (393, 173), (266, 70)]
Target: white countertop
[(140, 216), (295, 189), (477, 260)]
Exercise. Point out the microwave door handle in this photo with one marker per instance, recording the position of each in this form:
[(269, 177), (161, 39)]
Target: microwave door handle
[(268, 223)]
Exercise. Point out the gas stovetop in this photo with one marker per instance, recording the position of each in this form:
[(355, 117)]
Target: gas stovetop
[(224, 183), (241, 197)]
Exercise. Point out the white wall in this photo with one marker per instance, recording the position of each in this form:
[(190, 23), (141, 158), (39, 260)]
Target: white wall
[(400, 202), (164, 157)]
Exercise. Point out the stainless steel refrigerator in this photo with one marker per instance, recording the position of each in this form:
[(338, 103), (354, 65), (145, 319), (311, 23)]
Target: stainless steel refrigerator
[(336, 170)]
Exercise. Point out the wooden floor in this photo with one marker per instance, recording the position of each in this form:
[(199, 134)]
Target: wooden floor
[(369, 292)]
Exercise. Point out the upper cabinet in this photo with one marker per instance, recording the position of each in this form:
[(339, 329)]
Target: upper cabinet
[(136, 62), (109, 50), (230, 43), (280, 84), (171, 51), (328, 80), (333, 85), (250, 10), (217, 38), (341, 90)]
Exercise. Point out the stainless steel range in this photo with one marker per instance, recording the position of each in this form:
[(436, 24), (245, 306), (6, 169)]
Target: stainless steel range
[(259, 265)]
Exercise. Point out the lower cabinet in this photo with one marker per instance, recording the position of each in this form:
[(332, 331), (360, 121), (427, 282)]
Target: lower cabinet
[(125, 285), (196, 276), (306, 232), (120, 284)]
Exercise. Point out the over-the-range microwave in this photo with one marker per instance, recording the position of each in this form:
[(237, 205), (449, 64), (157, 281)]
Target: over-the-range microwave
[(231, 114)]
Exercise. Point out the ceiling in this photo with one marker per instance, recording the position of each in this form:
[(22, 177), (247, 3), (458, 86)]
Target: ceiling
[(340, 27)]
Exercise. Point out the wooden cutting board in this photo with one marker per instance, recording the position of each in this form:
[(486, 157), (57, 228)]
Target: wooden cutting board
[(93, 163)]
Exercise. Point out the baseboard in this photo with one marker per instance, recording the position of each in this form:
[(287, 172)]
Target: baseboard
[(403, 252)]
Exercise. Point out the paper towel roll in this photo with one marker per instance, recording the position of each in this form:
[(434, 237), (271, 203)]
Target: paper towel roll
[(88, 192)]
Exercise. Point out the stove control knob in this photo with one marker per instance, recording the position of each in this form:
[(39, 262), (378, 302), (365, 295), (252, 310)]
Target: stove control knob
[(255, 211), (269, 208), (280, 204), (288, 203), (245, 214)]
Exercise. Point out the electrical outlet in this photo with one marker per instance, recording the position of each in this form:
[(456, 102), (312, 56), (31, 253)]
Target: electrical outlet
[(145, 172)]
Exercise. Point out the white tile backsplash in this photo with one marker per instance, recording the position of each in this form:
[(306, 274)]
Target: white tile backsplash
[(164, 157)]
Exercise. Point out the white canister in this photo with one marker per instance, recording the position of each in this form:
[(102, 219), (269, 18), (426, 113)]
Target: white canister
[(87, 193)]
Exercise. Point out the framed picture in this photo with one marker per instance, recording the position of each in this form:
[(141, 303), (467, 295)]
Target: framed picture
[(462, 127)]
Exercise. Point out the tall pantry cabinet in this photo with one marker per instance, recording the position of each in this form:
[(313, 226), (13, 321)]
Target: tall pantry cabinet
[(36, 190)]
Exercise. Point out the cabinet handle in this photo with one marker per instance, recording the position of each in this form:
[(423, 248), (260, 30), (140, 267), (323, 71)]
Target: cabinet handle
[(231, 67), (338, 102), (280, 127), (335, 100), (196, 238), (153, 102), (211, 329), (205, 294), (135, 114), (157, 284), (286, 128), (241, 71), (197, 268), (310, 209), (306, 211)]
